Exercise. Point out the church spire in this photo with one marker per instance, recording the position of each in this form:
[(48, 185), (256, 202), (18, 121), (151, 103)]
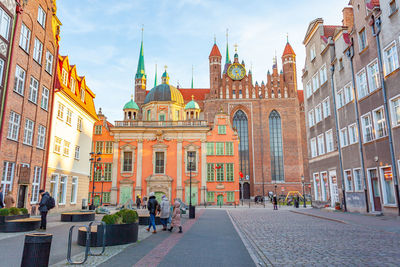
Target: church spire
[(227, 49), (140, 73), (192, 77), (155, 78)]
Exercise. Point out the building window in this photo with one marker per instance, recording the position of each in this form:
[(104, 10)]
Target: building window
[(308, 89), (367, 128), (323, 77), (159, 168), (5, 21), (379, 123), (240, 123), (210, 197), (373, 76), (316, 186), (318, 113), (210, 172), (230, 196), (64, 77), (221, 129), (127, 163), (329, 141), (45, 99), (66, 148), (41, 17), (210, 149), (82, 94), (315, 82), (77, 152), (344, 140), (28, 132), (108, 147), (57, 145), (25, 38), (276, 147), (1, 71), (149, 115), (321, 144), (36, 185), (324, 184), (348, 180), (391, 59), (395, 108), (387, 186), (60, 111), (107, 171), (79, 124), (312, 53), (357, 180), (353, 134), (62, 190), (341, 64), (348, 93), (362, 87), (326, 108), (33, 90), (69, 117), (74, 190), (49, 62), (72, 85), (99, 147), (313, 147), (220, 172), (19, 82), (362, 40), (191, 167), (161, 117), (8, 176), (220, 148), (13, 126), (311, 119), (98, 129), (106, 197), (393, 7), (340, 101), (41, 137), (37, 51), (54, 185), (229, 148), (229, 172)]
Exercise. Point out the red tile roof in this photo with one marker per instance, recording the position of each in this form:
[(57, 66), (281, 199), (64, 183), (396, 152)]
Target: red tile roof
[(215, 51), (288, 50), (199, 94), (329, 30)]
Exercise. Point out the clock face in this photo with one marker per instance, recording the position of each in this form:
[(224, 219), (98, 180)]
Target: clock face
[(236, 71)]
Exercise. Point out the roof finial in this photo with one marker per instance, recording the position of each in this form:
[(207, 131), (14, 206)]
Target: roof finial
[(287, 37), (192, 76), (155, 77), (142, 31), (131, 96), (192, 97), (236, 46), (227, 48), (215, 39)]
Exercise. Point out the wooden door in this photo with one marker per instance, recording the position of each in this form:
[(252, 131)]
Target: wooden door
[(193, 197), (376, 193), (21, 196), (220, 200), (125, 194)]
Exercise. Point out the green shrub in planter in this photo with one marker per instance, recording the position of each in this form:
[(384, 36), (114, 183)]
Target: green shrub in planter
[(109, 219), (128, 216), (14, 211), (23, 211), (4, 212), (118, 219)]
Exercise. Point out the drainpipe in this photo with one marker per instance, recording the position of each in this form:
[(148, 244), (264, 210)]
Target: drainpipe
[(337, 138), (375, 33), (350, 55)]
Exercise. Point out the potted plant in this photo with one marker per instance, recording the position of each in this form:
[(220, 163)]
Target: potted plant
[(337, 206), (121, 228), (12, 214)]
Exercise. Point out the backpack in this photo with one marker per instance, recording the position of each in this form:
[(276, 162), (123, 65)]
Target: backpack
[(50, 203)]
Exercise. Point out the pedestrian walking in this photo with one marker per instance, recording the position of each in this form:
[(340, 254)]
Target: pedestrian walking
[(9, 200), (138, 202), (275, 202), (43, 208), (152, 206), (164, 214), (1, 197), (144, 203), (176, 217)]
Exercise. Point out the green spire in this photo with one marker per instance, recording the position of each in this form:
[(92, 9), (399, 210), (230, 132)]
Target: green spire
[(227, 60), (192, 77), (140, 69), (155, 78)]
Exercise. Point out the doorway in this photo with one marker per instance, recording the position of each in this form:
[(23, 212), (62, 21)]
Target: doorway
[(194, 195), (376, 193), (246, 191), (125, 194), (158, 196), (220, 200), (333, 188), (21, 196)]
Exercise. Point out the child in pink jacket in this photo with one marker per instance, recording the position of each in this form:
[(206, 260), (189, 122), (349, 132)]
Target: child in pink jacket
[(176, 217)]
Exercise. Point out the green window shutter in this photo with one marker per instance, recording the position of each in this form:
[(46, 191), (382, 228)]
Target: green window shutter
[(229, 148), (98, 129), (230, 196), (99, 147), (210, 172), (97, 172), (210, 197), (210, 149), (220, 149), (229, 172), (107, 171), (220, 172), (106, 197), (108, 147), (221, 129)]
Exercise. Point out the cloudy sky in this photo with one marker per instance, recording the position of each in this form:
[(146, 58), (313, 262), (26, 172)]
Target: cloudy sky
[(103, 39)]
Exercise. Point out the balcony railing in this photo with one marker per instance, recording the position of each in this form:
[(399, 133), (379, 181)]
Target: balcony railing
[(189, 123)]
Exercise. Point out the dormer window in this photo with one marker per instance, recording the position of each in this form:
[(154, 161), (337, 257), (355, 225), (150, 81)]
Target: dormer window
[(72, 85), (64, 77), (83, 94)]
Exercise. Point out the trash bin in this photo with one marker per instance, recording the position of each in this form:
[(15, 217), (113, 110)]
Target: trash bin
[(36, 250), (192, 212), (84, 203)]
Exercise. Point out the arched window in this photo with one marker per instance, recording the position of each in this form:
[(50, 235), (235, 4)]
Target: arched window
[(240, 122), (276, 148)]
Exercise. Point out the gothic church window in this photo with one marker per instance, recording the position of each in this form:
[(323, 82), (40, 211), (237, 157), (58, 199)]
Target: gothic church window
[(240, 122), (276, 148)]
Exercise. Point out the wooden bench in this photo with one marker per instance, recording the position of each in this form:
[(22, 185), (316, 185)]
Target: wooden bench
[(144, 217), (77, 216)]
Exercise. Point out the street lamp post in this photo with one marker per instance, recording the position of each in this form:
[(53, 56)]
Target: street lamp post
[(191, 158), (304, 196), (102, 182), (94, 158)]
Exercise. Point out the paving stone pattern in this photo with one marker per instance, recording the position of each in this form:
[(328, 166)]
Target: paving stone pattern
[(289, 239)]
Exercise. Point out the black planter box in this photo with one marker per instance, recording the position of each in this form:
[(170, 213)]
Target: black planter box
[(77, 216), (3, 219), (145, 220), (19, 226), (116, 234)]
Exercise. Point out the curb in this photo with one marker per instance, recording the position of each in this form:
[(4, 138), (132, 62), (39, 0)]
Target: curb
[(320, 217)]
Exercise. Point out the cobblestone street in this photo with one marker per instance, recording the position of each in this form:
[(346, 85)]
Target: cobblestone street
[(285, 238)]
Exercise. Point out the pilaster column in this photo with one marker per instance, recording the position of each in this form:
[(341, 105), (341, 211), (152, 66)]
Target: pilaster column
[(203, 170), (114, 178), (179, 188), (138, 189)]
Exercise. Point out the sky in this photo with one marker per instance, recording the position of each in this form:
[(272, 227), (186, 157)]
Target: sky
[(103, 39)]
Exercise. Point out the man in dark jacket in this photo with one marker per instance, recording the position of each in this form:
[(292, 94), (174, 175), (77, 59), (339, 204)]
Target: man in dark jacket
[(152, 206), (138, 202), (43, 208), (1, 198)]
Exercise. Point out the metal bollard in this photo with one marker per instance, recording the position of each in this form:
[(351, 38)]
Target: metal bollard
[(104, 237), (70, 242), (36, 250)]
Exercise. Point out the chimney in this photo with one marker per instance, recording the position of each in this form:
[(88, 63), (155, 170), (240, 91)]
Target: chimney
[(348, 18)]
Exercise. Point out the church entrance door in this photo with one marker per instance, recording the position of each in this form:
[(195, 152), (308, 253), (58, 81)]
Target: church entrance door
[(125, 194), (194, 195), (159, 196), (220, 200)]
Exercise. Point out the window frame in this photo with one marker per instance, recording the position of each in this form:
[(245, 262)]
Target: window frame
[(41, 137), (394, 117), (14, 126), (44, 103), (28, 132), (313, 147), (374, 78), (37, 51), (354, 130), (5, 17), (74, 192), (356, 189), (321, 149), (63, 184), (362, 39), (326, 108), (376, 123), (344, 136), (57, 145), (364, 127), (41, 19), (348, 185), (25, 38), (19, 82), (386, 61), (360, 88), (33, 90), (37, 177), (49, 62), (330, 133)]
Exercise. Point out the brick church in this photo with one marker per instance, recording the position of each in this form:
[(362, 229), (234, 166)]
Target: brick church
[(236, 130)]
